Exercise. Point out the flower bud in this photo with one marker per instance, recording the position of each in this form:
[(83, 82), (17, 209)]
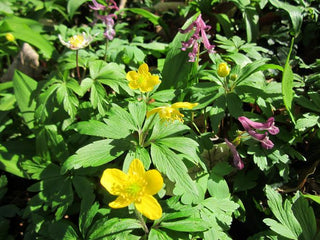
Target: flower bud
[(223, 70), (10, 37)]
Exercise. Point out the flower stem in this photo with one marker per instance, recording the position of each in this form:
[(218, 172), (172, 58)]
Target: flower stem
[(77, 65), (143, 223), (143, 134), (105, 52)]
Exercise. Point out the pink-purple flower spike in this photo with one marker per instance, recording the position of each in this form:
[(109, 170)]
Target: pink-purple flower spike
[(109, 33), (97, 6), (237, 162), (251, 127), (200, 33)]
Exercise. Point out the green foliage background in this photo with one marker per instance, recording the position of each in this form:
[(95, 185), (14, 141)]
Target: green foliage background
[(59, 133)]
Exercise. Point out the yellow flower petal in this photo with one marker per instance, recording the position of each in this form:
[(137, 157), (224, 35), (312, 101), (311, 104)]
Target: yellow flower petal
[(154, 79), (154, 111), (154, 181), (136, 168), (133, 85), (184, 105), (143, 69), (149, 207), (120, 202), (132, 76), (114, 180)]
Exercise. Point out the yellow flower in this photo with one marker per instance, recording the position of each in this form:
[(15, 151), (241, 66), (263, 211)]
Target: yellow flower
[(171, 112), (77, 41), (10, 37), (223, 70), (136, 187), (142, 79)]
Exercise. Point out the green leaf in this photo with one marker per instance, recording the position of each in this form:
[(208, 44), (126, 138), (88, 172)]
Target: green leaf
[(138, 112), (287, 84), (24, 88), (120, 123), (88, 211), (98, 97), (62, 230), (221, 209), (164, 95), (157, 234), (109, 228), (250, 69), (217, 185), (234, 105), (23, 29), (95, 154), (145, 13), (140, 153), (226, 23), (50, 144), (313, 197), (295, 13), (280, 228), (163, 130), (45, 104), (186, 225), (73, 5), (245, 180), (251, 21), (55, 190), (309, 120), (93, 128), (187, 146), (172, 165), (288, 226), (10, 162), (177, 72), (68, 98), (305, 216)]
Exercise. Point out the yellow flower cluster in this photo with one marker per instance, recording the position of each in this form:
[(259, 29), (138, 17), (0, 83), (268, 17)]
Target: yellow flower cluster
[(171, 112), (142, 79), (136, 187)]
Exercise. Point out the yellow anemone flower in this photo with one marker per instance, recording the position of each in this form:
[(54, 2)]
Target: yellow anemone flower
[(171, 112), (142, 79), (223, 70), (136, 187), (77, 41)]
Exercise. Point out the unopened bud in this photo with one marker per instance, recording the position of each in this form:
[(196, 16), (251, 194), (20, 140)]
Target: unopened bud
[(10, 37), (223, 70)]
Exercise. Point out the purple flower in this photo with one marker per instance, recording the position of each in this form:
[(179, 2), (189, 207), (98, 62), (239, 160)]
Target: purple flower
[(109, 33), (199, 33), (112, 5), (97, 6), (251, 127), (238, 163), (268, 125), (109, 22)]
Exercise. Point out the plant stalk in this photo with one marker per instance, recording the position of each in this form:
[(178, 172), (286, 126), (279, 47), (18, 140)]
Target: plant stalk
[(77, 65)]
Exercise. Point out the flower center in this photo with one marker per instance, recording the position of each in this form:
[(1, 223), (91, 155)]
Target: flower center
[(170, 113), (135, 189), (76, 41)]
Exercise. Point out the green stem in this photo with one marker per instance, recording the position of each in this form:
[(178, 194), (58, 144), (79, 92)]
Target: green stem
[(143, 223), (105, 53), (77, 65), (144, 134)]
